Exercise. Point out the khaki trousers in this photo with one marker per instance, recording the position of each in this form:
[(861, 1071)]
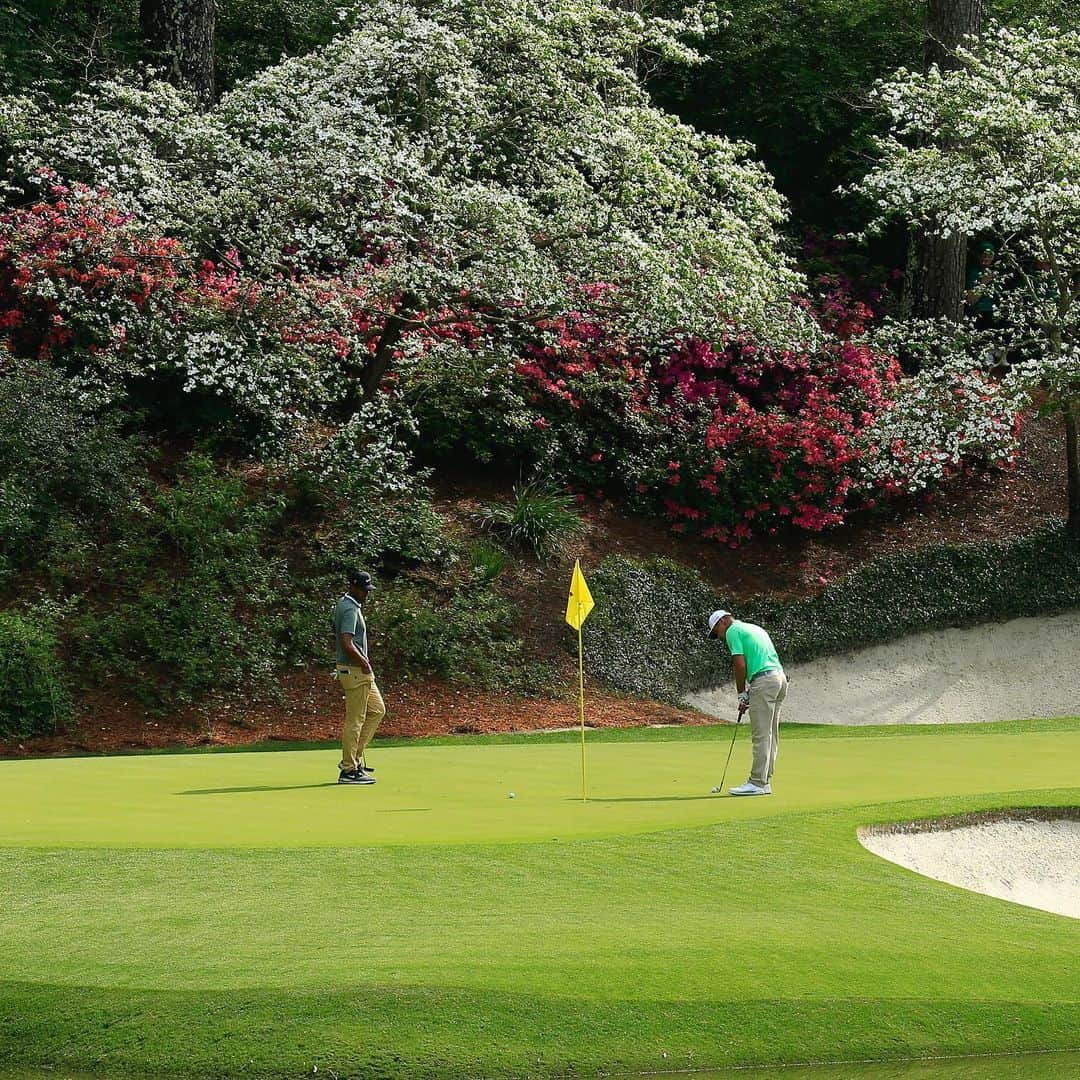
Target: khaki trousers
[(364, 709), (767, 693)]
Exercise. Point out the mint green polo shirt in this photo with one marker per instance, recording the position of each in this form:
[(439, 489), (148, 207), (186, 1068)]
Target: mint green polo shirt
[(749, 640), (348, 619)]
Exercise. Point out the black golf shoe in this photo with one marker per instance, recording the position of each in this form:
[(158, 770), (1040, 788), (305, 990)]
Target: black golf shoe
[(354, 776)]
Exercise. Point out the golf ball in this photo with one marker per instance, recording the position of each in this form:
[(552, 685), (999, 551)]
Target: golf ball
[(716, 791), (512, 795)]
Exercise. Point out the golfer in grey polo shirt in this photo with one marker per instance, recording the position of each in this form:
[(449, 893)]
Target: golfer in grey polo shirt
[(364, 708)]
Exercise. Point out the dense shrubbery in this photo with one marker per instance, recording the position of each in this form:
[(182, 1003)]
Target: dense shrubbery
[(33, 699), (537, 519), (464, 633), (728, 439), (211, 580), (69, 474), (225, 332), (196, 595), (647, 635)]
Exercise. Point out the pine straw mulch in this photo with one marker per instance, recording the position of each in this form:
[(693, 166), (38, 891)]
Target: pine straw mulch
[(311, 711)]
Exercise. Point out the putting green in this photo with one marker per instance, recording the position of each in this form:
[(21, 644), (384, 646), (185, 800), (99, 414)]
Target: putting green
[(225, 915), (460, 794)]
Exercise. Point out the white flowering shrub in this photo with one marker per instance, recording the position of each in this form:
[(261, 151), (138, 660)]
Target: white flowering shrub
[(948, 418), (437, 161), (992, 149)]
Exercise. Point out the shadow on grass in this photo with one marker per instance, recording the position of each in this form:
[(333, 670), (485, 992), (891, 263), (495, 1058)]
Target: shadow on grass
[(268, 787), (650, 798)]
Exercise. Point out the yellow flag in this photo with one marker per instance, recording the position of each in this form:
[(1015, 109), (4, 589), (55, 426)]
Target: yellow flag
[(581, 602)]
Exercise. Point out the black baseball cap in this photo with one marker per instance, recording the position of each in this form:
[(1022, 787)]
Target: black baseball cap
[(361, 579)]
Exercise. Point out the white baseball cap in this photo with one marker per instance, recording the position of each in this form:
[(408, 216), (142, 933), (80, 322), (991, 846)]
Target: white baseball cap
[(715, 617)]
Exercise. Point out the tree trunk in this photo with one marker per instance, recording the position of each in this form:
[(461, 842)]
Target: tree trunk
[(934, 288), (179, 39), (376, 368), (1072, 463), (948, 22)]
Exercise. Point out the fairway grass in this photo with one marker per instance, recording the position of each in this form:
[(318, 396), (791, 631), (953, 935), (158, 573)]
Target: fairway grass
[(233, 914)]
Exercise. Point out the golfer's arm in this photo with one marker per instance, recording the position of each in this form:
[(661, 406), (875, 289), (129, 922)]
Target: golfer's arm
[(739, 664), (353, 653)]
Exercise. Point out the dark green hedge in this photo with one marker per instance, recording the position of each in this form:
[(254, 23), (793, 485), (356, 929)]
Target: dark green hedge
[(647, 635), (32, 698)]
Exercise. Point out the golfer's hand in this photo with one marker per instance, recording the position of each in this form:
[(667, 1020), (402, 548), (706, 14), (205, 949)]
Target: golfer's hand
[(744, 701)]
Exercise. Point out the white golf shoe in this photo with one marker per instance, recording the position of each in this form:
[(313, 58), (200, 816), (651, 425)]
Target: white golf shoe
[(751, 789)]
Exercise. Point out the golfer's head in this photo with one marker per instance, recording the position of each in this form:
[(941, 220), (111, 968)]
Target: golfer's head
[(360, 583), (719, 621)]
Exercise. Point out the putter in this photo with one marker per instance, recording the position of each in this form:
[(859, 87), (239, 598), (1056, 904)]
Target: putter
[(723, 777)]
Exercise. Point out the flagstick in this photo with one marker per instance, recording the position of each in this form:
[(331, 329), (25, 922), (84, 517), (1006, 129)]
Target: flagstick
[(581, 694)]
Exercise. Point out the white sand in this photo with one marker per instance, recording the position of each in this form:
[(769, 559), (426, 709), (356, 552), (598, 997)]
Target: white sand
[(997, 671), (1030, 862)]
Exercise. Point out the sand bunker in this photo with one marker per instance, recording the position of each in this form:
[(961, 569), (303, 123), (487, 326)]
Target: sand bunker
[(1033, 861), (997, 671)]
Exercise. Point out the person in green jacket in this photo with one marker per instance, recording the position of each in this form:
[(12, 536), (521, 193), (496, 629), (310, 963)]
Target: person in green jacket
[(762, 687), (981, 287)]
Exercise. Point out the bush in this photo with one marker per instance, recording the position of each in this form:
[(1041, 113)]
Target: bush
[(488, 561), (33, 700), (207, 348), (372, 504), (466, 636), (539, 519), (69, 474), (647, 634), (737, 437), (197, 595), (726, 439)]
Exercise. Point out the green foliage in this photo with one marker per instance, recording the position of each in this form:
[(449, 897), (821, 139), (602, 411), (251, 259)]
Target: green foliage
[(63, 44), (207, 582), (789, 78), (466, 636), (793, 79), (283, 28), (69, 473), (487, 560), (538, 519), (647, 635), (370, 500), (197, 594), (33, 700)]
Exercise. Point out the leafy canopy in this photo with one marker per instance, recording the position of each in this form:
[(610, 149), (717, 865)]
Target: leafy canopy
[(444, 155), (992, 149)]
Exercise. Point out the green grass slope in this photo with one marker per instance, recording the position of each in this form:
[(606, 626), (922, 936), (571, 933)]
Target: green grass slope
[(229, 915)]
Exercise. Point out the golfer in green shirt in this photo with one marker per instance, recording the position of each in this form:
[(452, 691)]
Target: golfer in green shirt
[(762, 687)]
